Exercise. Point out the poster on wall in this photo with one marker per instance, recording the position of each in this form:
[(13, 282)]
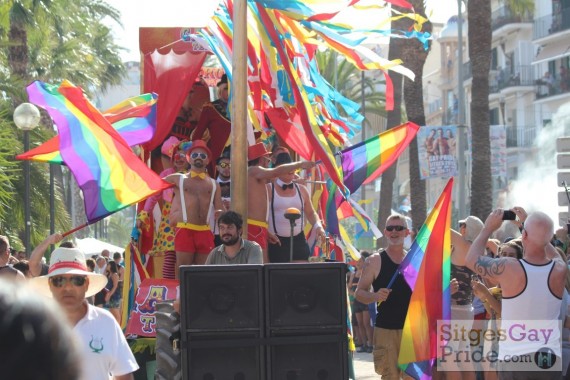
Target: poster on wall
[(437, 150), (498, 142)]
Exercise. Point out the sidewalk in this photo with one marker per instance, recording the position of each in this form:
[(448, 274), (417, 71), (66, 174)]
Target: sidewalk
[(364, 366)]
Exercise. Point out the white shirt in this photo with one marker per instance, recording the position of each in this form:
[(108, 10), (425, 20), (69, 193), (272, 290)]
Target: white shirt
[(104, 348)]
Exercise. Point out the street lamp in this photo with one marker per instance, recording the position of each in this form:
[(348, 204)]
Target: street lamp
[(27, 117)]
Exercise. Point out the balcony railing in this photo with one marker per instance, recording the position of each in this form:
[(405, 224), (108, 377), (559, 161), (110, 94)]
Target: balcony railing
[(518, 76), (550, 24), (505, 15), (550, 87), (520, 136)]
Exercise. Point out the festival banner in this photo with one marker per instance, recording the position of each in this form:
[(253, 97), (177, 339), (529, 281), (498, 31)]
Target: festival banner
[(437, 151), (498, 139), (151, 291)]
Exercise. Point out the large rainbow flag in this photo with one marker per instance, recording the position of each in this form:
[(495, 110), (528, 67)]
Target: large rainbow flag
[(362, 163), (109, 174), (134, 118), (426, 268)]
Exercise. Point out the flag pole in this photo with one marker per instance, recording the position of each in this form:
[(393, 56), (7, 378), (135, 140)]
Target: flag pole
[(75, 229)]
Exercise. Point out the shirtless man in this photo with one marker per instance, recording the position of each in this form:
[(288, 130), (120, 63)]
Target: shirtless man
[(191, 213), (258, 175)]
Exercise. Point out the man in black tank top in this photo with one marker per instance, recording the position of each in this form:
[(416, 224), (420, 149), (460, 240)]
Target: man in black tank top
[(393, 307)]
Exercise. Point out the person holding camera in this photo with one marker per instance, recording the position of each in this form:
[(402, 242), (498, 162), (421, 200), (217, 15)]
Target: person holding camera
[(537, 279)]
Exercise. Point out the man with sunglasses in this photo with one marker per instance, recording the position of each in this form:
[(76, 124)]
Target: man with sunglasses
[(104, 349), (197, 197), (223, 168), (258, 176), (392, 302)]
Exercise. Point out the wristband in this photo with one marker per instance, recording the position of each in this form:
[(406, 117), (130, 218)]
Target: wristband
[(318, 224)]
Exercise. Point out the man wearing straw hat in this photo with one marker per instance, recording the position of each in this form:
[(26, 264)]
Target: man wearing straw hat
[(104, 349)]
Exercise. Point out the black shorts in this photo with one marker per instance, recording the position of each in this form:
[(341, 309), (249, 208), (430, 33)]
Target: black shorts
[(359, 307), (281, 253)]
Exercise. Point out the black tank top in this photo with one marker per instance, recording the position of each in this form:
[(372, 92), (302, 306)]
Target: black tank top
[(392, 312)]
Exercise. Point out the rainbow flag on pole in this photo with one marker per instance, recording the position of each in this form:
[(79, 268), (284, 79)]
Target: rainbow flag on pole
[(133, 118), (109, 174), (364, 162), (426, 268)]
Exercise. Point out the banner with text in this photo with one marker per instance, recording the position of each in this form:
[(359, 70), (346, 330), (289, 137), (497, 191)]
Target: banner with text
[(437, 150)]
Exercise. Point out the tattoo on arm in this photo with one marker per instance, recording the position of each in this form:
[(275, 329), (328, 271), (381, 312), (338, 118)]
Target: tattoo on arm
[(488, 267)]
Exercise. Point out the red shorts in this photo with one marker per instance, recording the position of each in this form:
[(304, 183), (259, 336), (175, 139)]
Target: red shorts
[(192, 240), (257, 234)]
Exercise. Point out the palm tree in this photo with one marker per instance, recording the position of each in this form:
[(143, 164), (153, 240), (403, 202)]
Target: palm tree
[(50, 41), (480, 34), (414, 56)]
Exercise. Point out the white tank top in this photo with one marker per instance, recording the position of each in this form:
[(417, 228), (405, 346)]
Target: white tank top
[(535, 302), (280, 204)]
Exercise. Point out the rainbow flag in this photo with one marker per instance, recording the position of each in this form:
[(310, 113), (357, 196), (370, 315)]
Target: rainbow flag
[(135, 273), (365, 161), (109, 174), (133, 118), (426, 268)]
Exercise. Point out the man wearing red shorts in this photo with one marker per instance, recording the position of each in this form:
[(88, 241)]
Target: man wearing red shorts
[(191, 212), (258, 175)]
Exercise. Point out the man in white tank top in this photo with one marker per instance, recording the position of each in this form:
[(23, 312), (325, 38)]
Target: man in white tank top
[(532, 292)]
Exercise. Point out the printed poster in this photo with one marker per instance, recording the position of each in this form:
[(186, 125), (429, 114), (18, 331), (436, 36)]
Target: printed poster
[(437, 150)]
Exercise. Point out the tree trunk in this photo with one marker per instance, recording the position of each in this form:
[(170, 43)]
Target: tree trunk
[(479, 16), (414, 56), (394, 119), (18, 55)]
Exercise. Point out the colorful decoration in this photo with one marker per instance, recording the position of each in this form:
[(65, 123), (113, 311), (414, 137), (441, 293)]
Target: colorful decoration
[(133, 118), (426, 268), (109, 174)]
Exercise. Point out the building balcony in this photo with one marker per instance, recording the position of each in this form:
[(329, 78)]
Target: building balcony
[(504, 16), (545, 88), (511, 77), (520, 136), (551, 24)]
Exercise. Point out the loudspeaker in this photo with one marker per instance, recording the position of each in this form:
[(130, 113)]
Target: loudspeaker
[(221, 298), (308, 356), (231, 356), (305, 296)]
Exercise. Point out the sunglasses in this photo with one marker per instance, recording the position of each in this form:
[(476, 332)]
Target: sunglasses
[(224, 165), (397, 228), (180, 156), (59, 281), (202, 156)]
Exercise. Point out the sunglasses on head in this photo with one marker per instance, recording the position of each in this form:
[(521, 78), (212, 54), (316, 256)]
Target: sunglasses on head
[(59, 281), (224, 165), (202, 156), (397, 228)]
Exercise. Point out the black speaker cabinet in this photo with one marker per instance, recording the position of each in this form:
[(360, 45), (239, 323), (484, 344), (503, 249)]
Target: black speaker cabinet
[(308, 356), (215, 356), (218, 298), (305, 296)]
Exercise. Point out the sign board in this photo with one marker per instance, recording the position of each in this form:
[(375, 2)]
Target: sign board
[(562, 218), (562, 199), (563, 145), (564, 176), (563, 161)]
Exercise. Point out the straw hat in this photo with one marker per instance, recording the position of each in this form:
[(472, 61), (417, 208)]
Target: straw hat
[(69, 261)]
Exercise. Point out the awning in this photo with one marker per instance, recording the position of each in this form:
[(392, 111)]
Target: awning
[(551, 52)]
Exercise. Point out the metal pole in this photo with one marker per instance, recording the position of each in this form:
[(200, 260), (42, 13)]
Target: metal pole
[(51, 202), (27, 216), (363, 132), (461, 116), (239, 112)]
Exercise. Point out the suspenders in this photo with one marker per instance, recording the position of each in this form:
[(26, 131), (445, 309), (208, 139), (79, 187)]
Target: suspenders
[(273, 209)]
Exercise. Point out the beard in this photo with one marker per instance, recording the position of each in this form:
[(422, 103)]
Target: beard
[(198, 163), (230, 239)]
